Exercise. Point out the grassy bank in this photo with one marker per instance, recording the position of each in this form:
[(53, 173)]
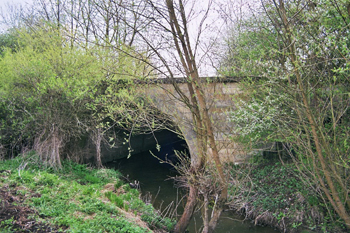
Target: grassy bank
[(76, 198), (274, 195)]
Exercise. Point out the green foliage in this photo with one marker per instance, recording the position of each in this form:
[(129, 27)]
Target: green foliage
[(130, 200), (47, 179), (53, 94), (91, 179), (48, 86), (104, 223), (115, 199), (277, 190), (278, 186), (9, 40), (118, 184), (259, 118), (71, 199), (155, 220), (270, 111), (7, 225), (252, 49), (302, 96)]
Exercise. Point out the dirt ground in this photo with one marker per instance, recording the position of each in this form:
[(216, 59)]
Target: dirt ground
[(23, 217)]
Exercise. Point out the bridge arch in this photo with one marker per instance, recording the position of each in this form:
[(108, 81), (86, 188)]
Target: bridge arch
[(219, 93)]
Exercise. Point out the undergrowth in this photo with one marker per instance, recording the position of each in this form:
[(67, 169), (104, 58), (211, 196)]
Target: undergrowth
[(273, 194), (74, 197)]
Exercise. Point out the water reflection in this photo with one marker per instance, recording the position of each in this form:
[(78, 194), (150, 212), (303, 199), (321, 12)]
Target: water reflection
[(155, 178)]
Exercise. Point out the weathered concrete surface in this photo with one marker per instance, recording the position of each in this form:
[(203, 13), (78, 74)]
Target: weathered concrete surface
[(219, 95), (220, 102)]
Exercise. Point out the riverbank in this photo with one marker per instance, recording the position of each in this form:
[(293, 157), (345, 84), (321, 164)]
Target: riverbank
[(76, 198), (275, 195), (157, 183)]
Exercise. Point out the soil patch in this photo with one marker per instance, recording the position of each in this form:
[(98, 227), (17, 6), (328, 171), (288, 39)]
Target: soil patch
[(16, 217)]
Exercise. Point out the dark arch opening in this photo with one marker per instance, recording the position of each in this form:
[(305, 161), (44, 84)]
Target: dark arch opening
[(153, 175)]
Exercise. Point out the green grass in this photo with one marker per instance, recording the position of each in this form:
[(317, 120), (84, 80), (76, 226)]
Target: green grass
[(278, 193), (71, 197)]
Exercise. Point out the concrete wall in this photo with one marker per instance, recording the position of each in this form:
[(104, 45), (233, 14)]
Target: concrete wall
[(219, 103)]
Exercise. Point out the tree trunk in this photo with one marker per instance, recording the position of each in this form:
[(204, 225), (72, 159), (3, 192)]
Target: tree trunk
[(97, 138), (202, 119), (188, 211)]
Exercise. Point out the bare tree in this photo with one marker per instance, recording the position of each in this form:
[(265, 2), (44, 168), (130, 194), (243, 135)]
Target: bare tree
[(165, 35)]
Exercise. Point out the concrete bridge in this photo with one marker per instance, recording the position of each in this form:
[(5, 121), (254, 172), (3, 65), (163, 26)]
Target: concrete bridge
[(219, 94)]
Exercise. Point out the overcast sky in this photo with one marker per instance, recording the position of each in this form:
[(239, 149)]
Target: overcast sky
[(213, 27), (4, 3), (4, 8)]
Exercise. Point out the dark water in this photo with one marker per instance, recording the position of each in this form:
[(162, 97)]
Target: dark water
[(155, 179)]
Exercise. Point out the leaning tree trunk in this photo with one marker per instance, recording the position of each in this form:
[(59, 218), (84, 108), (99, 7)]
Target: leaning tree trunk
[(186, 217)]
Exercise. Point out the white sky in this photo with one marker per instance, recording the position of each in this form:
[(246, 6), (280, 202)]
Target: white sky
[(4, 8), (214, 27), (4, 3)]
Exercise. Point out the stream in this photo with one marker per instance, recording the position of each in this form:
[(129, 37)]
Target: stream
[(155, 180)]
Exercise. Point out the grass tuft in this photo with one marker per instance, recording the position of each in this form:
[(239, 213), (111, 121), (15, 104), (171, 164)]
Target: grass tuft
[(70, 199)]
